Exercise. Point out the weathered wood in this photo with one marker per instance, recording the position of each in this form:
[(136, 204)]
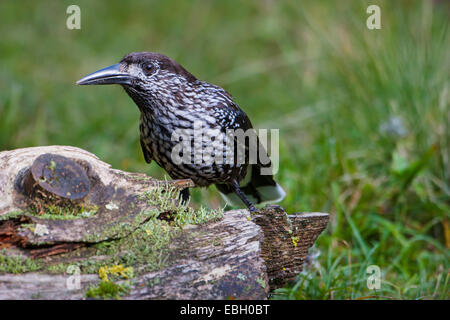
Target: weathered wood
[(287, 239), (221, 261), (239, 256)]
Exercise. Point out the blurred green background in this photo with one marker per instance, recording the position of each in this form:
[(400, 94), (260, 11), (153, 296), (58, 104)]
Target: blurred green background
[(363, 114)]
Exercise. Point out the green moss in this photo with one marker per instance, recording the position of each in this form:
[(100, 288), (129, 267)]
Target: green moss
[(10, 264), (29, 226), (107, 290), (143, 243), (10, 215), (59, 268), (153, 281), (167, 199), (55, 212), (147, 248), (122, 229), (261, 281)]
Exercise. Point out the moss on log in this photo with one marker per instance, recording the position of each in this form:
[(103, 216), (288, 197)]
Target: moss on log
[(59, 233)]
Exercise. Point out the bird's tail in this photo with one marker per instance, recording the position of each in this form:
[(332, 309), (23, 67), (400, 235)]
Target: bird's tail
[(257, 187)]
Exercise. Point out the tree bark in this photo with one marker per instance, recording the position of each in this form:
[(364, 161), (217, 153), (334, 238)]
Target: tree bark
[(242, 255)]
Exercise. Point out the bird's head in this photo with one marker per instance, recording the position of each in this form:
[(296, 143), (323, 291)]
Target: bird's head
[(143, 75)]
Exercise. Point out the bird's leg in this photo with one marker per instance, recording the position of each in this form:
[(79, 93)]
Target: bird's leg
[(184, 195), (241, 195)]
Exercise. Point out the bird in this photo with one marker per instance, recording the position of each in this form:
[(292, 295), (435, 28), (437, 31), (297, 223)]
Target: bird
[(172, 100)]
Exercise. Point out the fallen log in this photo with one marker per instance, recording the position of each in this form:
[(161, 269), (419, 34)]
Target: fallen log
[(66, 217)]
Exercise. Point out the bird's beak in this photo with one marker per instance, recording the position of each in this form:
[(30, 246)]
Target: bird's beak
[(108, 75)]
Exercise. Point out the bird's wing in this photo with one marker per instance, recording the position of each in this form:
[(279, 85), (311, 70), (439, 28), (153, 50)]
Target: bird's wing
[(147, 153), (258, 186)]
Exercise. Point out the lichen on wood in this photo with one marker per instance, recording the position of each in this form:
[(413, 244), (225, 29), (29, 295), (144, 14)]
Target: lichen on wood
[(135, 221)]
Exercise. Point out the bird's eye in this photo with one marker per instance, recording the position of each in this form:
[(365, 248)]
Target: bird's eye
[(148, 68)]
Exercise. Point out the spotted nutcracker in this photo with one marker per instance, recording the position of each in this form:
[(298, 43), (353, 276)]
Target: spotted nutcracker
[(171, 100)]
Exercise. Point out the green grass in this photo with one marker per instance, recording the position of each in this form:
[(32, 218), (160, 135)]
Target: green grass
[(311, 69)]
